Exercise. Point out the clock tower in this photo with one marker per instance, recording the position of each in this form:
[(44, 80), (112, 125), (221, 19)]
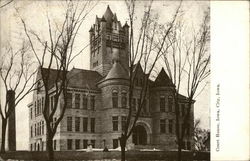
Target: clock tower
[(109, 42)]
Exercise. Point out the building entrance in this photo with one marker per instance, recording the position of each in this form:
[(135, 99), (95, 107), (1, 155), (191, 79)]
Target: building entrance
[(139, 135)]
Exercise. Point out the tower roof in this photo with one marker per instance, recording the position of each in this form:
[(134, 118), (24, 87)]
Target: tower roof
[(108, 15), (117, 72)]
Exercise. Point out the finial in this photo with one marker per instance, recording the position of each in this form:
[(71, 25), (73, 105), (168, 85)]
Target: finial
[(126, 24), (91, 29), (103, 19)]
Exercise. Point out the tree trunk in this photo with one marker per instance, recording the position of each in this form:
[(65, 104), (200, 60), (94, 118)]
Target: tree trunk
[(123, 147), (49, 147), (4, 126)]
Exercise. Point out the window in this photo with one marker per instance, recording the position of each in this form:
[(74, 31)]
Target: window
[(69, 123), (39, 128), (133, 104), (77, 101), (124, 99), (54, 144), (141, 82), (39, 86), (31, 131), (93, 143), (54, 121), (42, 145), (51, 103), (92, 125), (95, 63), (69, 144), (144, 106), (85, 102), (170, 104), (138, 103), (183, 109), (115, 123), (162, 104), (77, 124), (124, 120), (85, 144), (115, 143), (38, 102), (69, 100), (35, 129), (42, 127), (31, 147), (170, 126), (163, 126), (85, 124), (35, 108), (31, 113), (183, 145), (92, 102), (42, 103), (188, 145), (136, 82), (115, 99), (188, 130), (77, 143)]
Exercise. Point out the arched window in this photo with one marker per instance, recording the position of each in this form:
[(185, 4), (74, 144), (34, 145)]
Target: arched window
[(115, 98), (170, 104), (162, 104), (124, 99)]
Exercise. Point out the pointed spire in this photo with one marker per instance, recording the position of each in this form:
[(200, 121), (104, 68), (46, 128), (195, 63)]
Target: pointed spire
[(96, 19), (91, 29), (114, 17), (103, 19), (108, 15), (126, 24)]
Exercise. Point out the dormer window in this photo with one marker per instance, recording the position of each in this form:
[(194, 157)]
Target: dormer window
[(95, 64), (39, 86)]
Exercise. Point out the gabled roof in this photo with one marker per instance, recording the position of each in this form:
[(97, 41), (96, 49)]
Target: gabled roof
[(137, 67), (78, 78), (162, 79), (117, 72), (52, 75)]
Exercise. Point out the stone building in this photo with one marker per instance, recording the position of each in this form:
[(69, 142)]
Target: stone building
[(98, 99)]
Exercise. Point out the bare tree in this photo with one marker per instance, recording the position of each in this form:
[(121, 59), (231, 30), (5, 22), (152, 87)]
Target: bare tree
[(58, 50), (16, 77), (200, 137), (145, 49), (187, 63), (5, 3)]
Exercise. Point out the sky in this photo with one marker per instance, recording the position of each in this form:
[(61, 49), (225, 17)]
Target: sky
[(33, 13)]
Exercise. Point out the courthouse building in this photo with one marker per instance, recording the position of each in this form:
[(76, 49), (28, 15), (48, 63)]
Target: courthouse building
[(98, 100)]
